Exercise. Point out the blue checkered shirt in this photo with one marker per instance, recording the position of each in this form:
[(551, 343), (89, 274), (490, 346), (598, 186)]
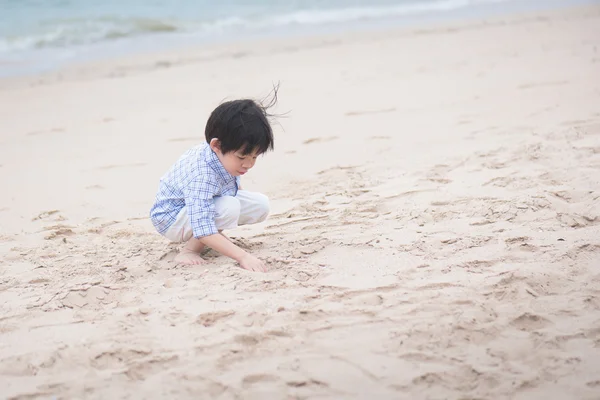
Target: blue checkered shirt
[(193, 182)]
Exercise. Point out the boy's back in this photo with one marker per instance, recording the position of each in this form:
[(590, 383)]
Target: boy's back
[(197, 170)]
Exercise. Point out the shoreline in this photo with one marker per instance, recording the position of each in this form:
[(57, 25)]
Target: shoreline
[(114, 65)]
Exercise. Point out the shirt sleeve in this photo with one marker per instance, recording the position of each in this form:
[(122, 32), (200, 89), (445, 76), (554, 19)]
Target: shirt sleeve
[(199, 200)]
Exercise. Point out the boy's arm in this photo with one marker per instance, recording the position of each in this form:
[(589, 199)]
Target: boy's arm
[(200, 203), (222, 245)]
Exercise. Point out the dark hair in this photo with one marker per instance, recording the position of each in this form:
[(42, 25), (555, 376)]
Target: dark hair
[(242, 125)]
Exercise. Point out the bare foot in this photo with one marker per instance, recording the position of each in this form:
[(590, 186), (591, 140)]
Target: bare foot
[(188, 257)]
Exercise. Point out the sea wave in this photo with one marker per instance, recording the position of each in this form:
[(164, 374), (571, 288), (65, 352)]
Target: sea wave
[(312, 17), (70, 32), (84, 31)]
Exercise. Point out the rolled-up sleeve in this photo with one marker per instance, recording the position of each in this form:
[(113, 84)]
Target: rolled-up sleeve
[(199, 200)]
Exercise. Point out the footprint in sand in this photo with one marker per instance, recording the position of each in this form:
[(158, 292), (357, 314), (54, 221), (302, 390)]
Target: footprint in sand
[(438, 179), (45, 214), (209, 319), (578, 221), (592, 302), (250, 380), (501, 181), (572, 196), (308, 383), (593, 333), (58, 232), (476, 265), (95, 297), (372, 299), (117, 358), (439, 173), (303, 250), (20, 366), (247, 340), (521, 243), (530, 322), (139, 363), (142, 369), (320, 140), (438, 286), (5, 238)]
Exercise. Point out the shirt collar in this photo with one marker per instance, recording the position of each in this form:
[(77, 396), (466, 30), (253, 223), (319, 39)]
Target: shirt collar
[(214, 162)]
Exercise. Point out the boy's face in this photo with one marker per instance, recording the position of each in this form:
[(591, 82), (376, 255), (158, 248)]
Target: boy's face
[(234, 162)]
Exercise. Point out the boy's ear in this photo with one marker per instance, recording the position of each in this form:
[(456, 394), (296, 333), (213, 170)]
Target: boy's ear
[(215, 144)]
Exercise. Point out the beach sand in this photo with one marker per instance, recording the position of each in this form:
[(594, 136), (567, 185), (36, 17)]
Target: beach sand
[(435, 227)]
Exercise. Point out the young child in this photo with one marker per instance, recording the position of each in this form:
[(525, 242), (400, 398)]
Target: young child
[(200, 195)]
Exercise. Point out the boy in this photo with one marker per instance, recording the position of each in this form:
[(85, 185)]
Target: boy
[(200, 195)]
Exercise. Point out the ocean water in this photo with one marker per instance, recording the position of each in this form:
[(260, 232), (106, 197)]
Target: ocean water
[(43, 34)]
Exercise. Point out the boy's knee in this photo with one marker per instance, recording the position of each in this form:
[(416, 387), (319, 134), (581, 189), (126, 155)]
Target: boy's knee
[(229, 206), (228, 211), (263, 207)]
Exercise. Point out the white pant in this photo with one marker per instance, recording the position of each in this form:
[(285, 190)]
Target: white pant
[(245, 208)]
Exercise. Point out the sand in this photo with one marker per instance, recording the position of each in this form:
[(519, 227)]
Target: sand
[(435, 230)]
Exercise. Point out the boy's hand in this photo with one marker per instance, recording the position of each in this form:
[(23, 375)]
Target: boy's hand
[(222, 245), (252, 263)]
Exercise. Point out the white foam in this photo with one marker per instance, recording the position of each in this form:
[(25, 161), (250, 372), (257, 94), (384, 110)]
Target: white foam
[(61, 33)]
